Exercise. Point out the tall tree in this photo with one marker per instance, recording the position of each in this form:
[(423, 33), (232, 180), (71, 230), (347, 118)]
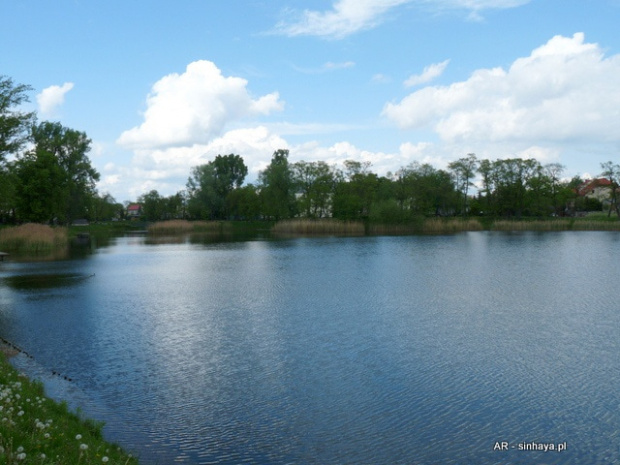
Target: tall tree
[(40, 188), (464, 170), (314, 182), (277, 190), (612, 172), (210, 184), (70, 150)]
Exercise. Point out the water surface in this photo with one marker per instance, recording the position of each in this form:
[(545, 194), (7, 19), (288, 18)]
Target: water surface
[(383, 350)]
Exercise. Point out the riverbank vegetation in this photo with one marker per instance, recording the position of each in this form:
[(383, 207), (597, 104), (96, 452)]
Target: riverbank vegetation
[(46, 177), (33, 238), (187, 227), (36, 429)]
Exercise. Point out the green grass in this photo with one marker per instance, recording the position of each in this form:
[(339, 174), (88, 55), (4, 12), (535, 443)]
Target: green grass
[(37, 430)]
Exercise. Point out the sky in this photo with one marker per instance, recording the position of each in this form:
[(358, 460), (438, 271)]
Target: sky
[(162, 86)]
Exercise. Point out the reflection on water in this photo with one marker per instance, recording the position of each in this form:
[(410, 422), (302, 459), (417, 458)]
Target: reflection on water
[(355, 350), (43, 281)]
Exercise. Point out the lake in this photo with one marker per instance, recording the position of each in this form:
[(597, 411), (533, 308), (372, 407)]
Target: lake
[(461, 349)]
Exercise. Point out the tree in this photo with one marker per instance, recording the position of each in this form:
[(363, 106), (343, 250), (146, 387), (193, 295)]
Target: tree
[(277, 190), (69, 149), (153, 206), (314, 182), (355, 192), (244, 203), (612, 172), (39, 188), (210, 184), (464, 170), (14, 124)]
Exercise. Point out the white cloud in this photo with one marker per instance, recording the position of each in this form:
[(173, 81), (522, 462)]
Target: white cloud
[(346, 17), (428, 74), (195, 107), (350, 16), (52, 97), (566, 90)]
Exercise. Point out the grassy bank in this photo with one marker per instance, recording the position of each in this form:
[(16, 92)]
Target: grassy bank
[(35, 429), (33, 238)]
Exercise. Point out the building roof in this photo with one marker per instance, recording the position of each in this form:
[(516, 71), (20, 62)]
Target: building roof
[(591, 184)]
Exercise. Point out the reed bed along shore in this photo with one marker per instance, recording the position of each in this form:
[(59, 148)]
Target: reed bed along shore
[(558, 224), (33, 238), (36, 429), (172, 227), (328, 226), (324, 226)]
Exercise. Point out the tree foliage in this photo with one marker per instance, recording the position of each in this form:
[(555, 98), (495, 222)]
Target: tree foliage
[(14, 124), (209, 186)]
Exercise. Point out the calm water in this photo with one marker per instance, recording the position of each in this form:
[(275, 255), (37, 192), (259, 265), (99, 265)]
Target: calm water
[(403, 350)]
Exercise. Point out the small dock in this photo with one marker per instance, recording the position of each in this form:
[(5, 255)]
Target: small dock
[(2, 255)]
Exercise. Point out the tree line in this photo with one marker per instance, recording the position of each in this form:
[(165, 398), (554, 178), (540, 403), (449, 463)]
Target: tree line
[(51, 180), (512, 188)]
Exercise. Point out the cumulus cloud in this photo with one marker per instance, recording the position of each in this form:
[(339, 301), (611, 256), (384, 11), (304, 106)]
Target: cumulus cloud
[(195, 107), (350, 16), (428, 74), (52, 97), (565, 90)]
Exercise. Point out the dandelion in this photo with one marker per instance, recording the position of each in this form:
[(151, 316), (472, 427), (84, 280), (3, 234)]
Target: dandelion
[(78, 437), (83, 446), (104, 459), (20, 413), (21, 456), (43, 456), (46, 435), (20, 449)]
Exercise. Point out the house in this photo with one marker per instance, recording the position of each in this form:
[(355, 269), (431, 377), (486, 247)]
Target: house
[(598, 189), (134, 211)]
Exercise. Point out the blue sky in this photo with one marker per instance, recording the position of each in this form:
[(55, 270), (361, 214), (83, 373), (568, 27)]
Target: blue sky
[(162, 86)]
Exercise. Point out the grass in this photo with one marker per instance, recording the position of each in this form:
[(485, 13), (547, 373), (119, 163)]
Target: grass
[(37, 430), (325, 226), (184, 227), (33, 238)]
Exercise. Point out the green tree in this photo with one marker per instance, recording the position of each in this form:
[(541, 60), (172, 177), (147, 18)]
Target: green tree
[(464, 170), (277, 188), (14, 124), (104, 208), (612, 172), (210, 184), (244, 203), (355, 192), (69, 148), (153, 206), (314, 182), (40, 190)]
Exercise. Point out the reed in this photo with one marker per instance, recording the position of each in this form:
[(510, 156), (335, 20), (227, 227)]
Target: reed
[(558, 224), (427, 226), (450, 225), (323, 226), (174, 227), (33, 238)]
